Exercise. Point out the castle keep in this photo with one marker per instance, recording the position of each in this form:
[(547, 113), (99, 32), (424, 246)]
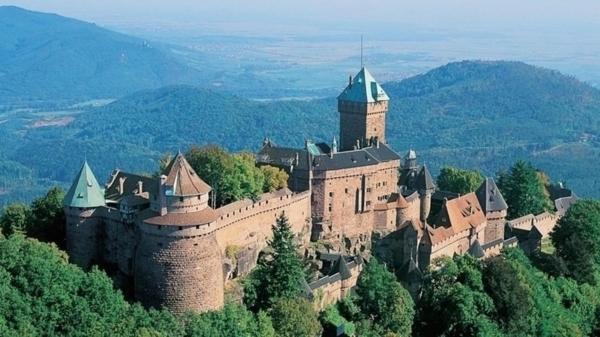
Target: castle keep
[(161, 240)]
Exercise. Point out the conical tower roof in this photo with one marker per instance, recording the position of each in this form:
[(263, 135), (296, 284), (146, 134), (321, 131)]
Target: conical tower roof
[(489, 196), (183, 180), (85, 192), (425, 180), (476, 250), (363, 89)]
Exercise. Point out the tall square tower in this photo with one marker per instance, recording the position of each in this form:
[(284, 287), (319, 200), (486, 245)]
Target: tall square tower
[(363, 106)]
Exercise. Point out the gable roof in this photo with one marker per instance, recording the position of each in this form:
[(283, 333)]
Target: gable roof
[(462, 213), (457, 215), (363, 89), (489, 196), (183, 180), (85, 192)]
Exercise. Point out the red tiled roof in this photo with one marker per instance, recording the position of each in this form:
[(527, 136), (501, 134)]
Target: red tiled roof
[(183, 179)]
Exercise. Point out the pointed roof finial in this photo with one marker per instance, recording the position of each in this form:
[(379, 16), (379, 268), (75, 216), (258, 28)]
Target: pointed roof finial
[(361, 52)]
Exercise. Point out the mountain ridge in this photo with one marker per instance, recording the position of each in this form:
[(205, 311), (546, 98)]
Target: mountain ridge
[(486, 120), (48, 56)]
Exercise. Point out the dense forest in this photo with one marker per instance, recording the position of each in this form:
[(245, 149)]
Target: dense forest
[(472, 114)]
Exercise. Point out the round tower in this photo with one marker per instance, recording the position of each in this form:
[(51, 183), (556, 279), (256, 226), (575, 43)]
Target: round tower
[(178, 267), (83, 208), (178, 263)]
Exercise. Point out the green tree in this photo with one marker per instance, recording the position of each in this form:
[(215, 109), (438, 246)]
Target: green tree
[(454, 302), (44, 295), (295, 317), (215, 166), (275, 178), (249, 178), (577, 240), (384, 300), (512, 300), (278, 275), (48, 217), (457, 180), (15, 218), (560, 306), (331, 318), (233, 320), (232, 176), (523, 190)]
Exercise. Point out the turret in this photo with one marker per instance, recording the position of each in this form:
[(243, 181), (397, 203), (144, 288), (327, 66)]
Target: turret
[(493, 205), (425, 187), (410, 160), (363, 106), (178, 263), (82, 205)]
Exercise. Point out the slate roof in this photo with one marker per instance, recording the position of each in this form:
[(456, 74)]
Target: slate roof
[(130, 185), (562, 205), (282, 156), (476, 250), (425, 180), (324, 161), (489, 196), (85, 192), (363, 89), (183, 180)]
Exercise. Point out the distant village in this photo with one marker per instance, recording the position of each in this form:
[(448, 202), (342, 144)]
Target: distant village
[(346, 200)]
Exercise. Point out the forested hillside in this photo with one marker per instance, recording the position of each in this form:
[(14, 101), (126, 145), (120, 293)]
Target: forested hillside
[(469, 114), (47, 56)]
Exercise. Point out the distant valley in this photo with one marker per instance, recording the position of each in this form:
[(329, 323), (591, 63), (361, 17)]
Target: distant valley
[(67, 94)]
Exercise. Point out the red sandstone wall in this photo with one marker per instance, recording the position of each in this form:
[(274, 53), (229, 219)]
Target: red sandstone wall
[(179, 269), (335, 197), (245, 223)]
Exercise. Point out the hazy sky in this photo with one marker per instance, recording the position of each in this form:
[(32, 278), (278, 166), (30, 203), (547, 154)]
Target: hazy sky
[(489, 15)]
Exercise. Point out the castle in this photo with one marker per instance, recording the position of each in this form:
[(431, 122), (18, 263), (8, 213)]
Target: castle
[(160, 239)]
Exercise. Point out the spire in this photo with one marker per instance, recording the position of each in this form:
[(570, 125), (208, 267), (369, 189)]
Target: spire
[(363, 89), (183, 180), (489, 196), (424, 180), (362, 65), (476, 250), (334, 146), (85, 192)]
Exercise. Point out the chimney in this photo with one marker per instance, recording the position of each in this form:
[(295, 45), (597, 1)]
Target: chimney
[(358, 144), (121, 185), (376, 142), (140, 189), (162, 197), (350, 81)]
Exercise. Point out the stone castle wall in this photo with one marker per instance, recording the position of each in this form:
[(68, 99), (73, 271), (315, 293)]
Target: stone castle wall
[(494, 229), (179, 267), (246, 222), (331, 289), (83, 230), (342, 200)]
